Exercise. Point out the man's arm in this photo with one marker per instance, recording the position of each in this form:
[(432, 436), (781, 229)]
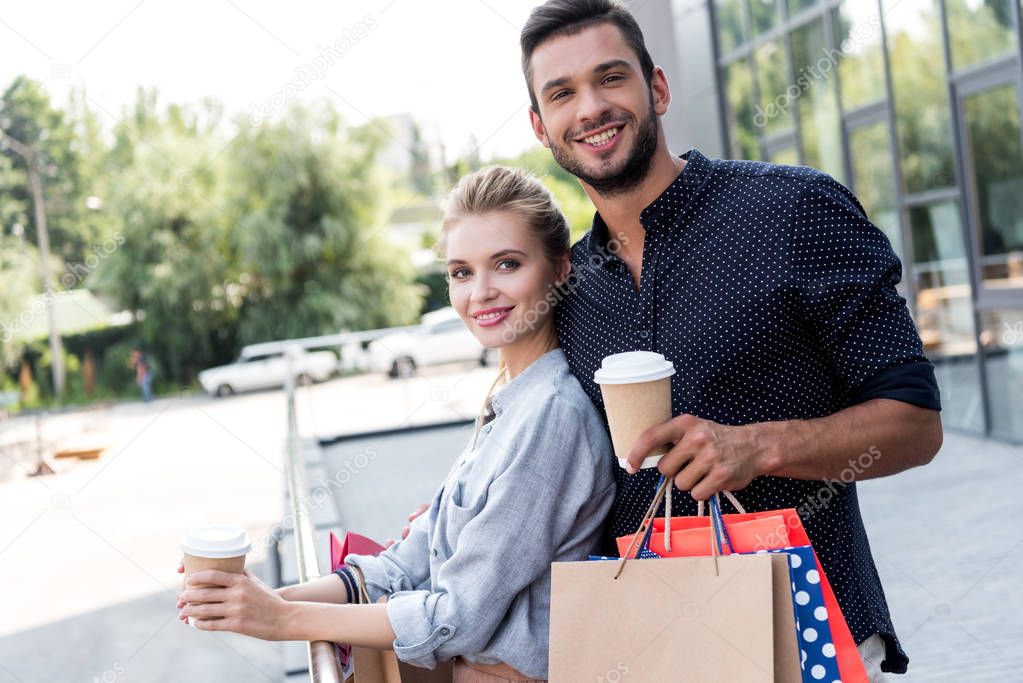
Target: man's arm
[(876, 438)]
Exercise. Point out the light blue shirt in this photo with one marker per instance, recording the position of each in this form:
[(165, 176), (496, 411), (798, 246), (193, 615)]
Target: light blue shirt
[(473, 578)]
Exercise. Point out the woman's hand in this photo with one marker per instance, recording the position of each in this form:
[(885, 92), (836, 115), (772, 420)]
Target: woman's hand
[(181, 603), (240, 603)]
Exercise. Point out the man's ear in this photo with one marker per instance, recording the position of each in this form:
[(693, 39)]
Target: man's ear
[(538, 128), (564, 269), (661, 92)]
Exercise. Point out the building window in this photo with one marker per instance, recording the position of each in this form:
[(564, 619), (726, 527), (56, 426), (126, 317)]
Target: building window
[(731, 24), (764, 15), (874, 179), (819, 127), (857, 29), (796, 6), (979, 31), (944, 310), (742, 133), (1002, 337), (778, 95), (991, 120), (922, 118)]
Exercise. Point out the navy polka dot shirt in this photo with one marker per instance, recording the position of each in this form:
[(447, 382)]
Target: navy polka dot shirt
[(775, 299)]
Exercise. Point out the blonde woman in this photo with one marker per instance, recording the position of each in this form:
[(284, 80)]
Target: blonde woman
[(471, 582)]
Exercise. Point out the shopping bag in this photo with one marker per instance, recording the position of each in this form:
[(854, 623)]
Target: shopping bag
[(813, 629), (369, 665), (699, 619), (751, 532)]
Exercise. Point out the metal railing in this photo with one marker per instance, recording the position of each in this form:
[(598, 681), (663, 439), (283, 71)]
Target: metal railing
[(323, 667)]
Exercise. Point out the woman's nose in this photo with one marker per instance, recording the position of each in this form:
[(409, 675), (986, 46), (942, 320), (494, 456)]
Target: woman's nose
[(483, 291)]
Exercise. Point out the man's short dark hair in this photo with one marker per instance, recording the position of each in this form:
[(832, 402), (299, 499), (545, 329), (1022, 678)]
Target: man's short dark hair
[(557, 18)]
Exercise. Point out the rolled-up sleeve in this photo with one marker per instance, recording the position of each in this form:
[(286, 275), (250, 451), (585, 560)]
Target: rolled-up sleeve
[(533, 506), (846, 273), (404, 566)]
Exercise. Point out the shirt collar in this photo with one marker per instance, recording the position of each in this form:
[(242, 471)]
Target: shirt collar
[(544, 366), (697, 168)]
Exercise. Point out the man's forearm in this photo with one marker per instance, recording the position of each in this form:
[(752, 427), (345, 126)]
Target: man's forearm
[(876, 438), (360, 625)]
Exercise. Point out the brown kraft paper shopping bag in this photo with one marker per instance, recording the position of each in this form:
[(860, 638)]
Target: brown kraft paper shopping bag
[(670, 619)]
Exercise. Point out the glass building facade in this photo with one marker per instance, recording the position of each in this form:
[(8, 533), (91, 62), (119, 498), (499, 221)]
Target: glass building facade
[(915, 106)]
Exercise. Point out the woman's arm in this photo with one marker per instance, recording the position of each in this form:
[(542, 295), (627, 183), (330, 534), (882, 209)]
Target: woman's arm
[(360, 625), (241, 603), (324, 589)]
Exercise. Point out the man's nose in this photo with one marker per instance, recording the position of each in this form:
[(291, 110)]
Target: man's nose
[(591, 106)]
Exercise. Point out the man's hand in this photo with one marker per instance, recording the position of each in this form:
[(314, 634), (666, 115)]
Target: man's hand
[(235, 602), (705, 457)]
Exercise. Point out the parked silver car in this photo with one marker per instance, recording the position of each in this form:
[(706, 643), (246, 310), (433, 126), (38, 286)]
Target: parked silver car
[(262, 366), (442, 337)]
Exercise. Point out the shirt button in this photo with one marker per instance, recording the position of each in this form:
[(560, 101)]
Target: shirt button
[(643, 334), (445, 631)]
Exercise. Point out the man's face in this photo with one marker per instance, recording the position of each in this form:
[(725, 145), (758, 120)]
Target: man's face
[(597, 114)]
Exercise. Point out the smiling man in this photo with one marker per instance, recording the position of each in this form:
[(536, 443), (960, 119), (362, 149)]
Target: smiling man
[(799, 369)]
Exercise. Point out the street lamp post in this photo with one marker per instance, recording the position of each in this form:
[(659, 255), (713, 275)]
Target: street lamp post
[(35, 185)]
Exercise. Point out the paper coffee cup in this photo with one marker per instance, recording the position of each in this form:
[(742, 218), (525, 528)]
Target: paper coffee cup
[(218, 546), (636, 387)]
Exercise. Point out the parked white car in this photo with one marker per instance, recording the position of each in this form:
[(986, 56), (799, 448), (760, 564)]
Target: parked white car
[(442, 337), (262, 366)]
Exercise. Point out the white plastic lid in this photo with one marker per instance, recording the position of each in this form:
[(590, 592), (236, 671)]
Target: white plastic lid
[(633, 366), (217, 541)]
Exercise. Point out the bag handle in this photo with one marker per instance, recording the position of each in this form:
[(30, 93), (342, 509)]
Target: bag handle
[(719, 534), (730, 497), (646, 524), (360, 582)]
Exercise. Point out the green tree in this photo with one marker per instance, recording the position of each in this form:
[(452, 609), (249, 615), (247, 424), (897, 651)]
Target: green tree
[(27, 115), (174, 263), (563, 185), (311, 204)]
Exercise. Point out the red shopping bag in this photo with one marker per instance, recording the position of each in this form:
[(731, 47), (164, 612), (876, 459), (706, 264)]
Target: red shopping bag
[(750, 532), (354, 544)]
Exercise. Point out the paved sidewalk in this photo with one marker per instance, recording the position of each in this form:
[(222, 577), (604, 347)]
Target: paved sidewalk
[(88, 556)]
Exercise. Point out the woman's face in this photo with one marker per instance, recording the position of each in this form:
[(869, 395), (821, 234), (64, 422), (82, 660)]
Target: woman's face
[(500, 281)]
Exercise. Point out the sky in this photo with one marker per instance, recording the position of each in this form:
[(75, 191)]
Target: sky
[(452, 64)]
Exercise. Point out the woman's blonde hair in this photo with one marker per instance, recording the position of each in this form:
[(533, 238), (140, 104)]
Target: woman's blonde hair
[(511, 190)]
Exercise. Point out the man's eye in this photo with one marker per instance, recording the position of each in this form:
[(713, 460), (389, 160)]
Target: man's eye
[(613, 77), (561, 94)]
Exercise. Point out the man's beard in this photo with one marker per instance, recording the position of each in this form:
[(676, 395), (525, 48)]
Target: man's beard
[(637, 164)]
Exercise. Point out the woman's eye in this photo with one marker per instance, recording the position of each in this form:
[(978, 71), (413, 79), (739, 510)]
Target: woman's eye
[(458, 273), (511, 264)]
